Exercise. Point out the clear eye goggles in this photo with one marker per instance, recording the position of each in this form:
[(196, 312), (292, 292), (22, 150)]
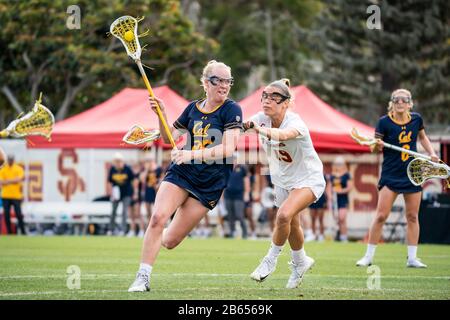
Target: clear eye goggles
[(215, 80), (401, 99), (275, 96)]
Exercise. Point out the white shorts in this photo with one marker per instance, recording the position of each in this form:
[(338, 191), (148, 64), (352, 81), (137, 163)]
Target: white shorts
[(317, 187)]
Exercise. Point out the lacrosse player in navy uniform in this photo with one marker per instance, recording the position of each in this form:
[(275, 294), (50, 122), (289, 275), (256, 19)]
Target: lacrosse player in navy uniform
[(402, 128), (198, 174), (341, 184)]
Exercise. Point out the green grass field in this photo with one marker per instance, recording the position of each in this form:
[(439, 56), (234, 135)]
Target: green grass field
[(36, 268)]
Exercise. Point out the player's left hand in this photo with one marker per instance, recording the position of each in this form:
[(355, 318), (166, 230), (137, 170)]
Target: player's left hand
[(181, 156)]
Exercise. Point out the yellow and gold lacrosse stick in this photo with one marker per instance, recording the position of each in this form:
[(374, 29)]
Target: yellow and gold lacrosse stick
[(125, 29), (137, 135), (366, 141), (37, 122), (420, 170)]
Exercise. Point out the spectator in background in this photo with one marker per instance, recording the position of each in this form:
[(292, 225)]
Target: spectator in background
[(268, 202), (11, 178), (2, 157), (135, 206), (236, 194), (317, 210), (341, 184), (2, 162), (120, 184), (150, 179), (249, 204)]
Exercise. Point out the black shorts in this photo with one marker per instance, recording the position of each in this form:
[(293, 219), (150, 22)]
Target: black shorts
[(398, 185), (207, 199), (150, 195), (319, 204)]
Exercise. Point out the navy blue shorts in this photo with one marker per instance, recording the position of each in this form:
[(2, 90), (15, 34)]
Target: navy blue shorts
[(319, 204), (405, 188), (207, 199), (150, 195), (342, 201)]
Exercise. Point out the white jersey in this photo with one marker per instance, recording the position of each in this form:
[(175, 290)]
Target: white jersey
[(292, 163)]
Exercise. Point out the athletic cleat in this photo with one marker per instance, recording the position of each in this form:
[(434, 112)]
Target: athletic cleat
[(298, 271), (265, 268), (415, 263), (364, 262), (141, 283)]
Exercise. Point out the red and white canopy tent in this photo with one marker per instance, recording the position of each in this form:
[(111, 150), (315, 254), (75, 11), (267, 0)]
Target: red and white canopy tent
[(328, 127), (104, 125)]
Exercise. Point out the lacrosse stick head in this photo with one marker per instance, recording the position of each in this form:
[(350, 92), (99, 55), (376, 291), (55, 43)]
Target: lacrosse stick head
[(37, 122), (420, 170), (125, 29), (360, 139), (137, 135)]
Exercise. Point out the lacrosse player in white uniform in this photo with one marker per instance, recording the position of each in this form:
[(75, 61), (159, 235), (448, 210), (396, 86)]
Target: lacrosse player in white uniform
[(297, 174)]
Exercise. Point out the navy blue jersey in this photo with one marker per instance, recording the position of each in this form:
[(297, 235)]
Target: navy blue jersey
[(235, 188), (205, 130), (152, 178), (339, 183), (122, 178), (393, 171)]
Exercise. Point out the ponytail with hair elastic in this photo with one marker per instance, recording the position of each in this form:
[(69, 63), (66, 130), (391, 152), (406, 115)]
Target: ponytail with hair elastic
[(284, 85)]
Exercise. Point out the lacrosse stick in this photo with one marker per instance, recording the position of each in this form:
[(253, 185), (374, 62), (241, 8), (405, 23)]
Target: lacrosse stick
[(366, 141), (420, 170), (137, 135), (125, 29), (38, 121)]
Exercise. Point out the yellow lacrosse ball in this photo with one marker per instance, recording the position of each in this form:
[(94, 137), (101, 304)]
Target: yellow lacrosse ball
[(129, 35)]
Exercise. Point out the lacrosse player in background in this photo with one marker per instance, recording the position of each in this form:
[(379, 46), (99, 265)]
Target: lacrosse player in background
[(297, 174), (400, 127), (341, 184), (196, 177)]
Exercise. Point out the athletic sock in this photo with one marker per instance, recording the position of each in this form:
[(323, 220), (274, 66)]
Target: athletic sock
[(298, 255), (371, 250), (274, 251), (145, 268), (412, 252)]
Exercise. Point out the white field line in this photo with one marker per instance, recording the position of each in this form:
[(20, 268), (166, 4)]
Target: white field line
[(197, 289), (212, 275)]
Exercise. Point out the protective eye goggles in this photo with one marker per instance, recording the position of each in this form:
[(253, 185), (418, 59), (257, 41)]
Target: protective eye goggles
[(215, 80), (277, 97), (401, 99)]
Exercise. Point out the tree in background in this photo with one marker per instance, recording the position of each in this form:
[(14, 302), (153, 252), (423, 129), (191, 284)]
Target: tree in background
[(360, 67), (260, 40), (78, 68)]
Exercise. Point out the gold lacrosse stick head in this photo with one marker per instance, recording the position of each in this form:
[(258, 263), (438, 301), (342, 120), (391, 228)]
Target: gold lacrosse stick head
[(137, 135), (125, 29), (37, 122), (362, 140), (420, 170)]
